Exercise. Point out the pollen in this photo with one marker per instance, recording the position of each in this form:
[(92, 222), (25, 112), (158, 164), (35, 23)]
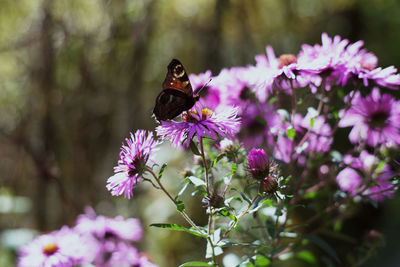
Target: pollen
[(286, 59), (206, 113), (50, 249)]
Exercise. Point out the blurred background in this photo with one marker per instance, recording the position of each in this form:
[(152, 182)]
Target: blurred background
[(77, 76)]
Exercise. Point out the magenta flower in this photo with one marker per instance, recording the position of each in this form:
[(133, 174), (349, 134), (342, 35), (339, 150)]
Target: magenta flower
[(376, 183), (258, 163), (349, 180), (200, 122), (334, 59), (315, 131), (259, 122), (210, 95), (375, 119), (65, 248), (119, 254), (387, 77), (132, 163), (103, 227)]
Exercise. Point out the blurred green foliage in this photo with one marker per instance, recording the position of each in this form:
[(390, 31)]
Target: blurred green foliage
[(77, 76)]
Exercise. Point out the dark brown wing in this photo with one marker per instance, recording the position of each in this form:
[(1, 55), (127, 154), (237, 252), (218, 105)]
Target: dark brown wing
[(170, 103), (177, 79)]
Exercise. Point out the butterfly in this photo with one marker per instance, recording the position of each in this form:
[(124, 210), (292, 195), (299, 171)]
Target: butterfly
[(176, 95)]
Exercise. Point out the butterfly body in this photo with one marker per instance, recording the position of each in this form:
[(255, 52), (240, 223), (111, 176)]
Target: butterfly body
[(177, 94)]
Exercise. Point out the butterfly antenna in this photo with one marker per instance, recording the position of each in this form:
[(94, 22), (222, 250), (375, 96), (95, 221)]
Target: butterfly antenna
[(198, 92)]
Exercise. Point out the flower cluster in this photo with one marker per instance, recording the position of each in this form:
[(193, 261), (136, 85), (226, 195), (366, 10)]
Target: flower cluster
[(291, 111), (96, 240)]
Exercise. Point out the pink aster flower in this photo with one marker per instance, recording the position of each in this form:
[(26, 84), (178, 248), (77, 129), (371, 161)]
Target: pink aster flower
[(65, 248), (132, 163), (104, 227), (387, 77), (375, 119), (334, 59), (259, 122), (284, 72), (376, 182), (209, 95), (313, 132), (200, 122)]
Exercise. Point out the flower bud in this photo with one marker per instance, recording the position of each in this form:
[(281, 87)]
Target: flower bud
[(258, 164), (215, 201), (270, 184)]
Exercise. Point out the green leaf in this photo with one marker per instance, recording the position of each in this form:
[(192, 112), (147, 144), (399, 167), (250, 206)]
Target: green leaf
[(196, 263), (245, 198), (233, 169), (218, 158), (312, 122), (261, 261), (196, 181), (160, 173), (267, 202), (194, 148), (323, 245), (227, 213), (180, 206), (291, 133), (182, 189), (300, 101), (307, 256), (176, 227)]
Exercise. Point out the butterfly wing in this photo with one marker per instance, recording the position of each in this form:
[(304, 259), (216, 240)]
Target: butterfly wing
[(171, 103), (177, 79), (177, 93)]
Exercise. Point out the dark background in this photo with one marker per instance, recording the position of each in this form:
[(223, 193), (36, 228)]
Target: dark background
[(77, 76)]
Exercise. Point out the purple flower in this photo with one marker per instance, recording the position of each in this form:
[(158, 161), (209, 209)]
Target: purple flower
[(103, 227), (65, 248), (259, 122), (313, 133), (132, 163), (210, 95), (258, 163), (119, 254), (200, 122), (349, 180), (284, 73), (333, 60), (376, 183), (375, 119), (387, 77)]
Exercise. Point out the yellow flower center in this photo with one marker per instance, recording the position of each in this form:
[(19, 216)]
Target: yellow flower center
[(205, 113), (50, 249)]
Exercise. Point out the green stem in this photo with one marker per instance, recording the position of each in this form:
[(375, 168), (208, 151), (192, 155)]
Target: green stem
[(240, 217), (205, 166), (210, 217), (184, 214)]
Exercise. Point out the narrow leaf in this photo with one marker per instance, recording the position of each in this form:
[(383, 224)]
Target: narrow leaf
[(179, 205), (195, 263), (323, 245), (178, 228), (233, 169), (160, 173), (218, 158), (196, 181), (194, 148)]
